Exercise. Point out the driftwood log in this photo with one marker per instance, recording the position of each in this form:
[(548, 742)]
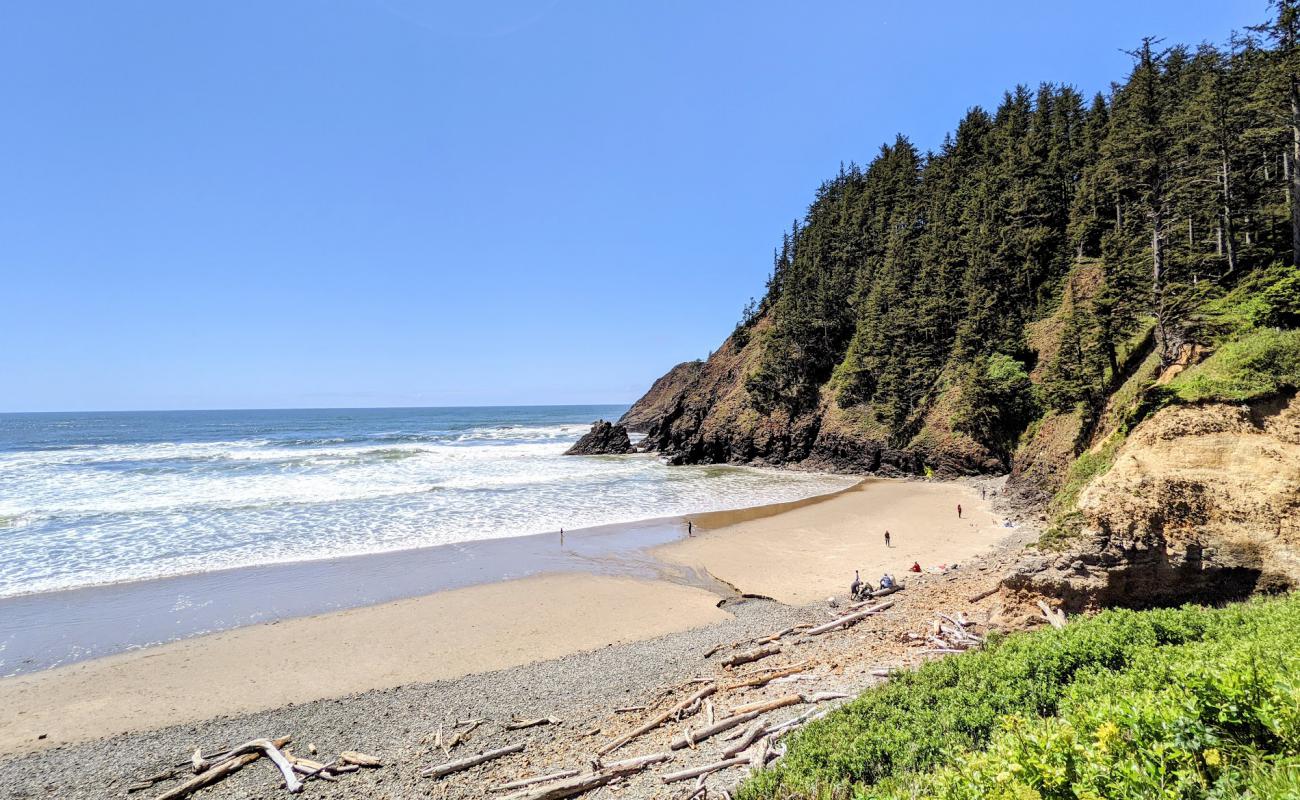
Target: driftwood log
[(695, 772), (659, 720), (750, 655), (584, 783), (521, 783), (849, 619), (520, 724), (766, 678), (690, 738), (439, 770), (1055, 617), (233, 761)]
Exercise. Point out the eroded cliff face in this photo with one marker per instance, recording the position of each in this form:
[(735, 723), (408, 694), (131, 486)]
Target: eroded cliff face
[(701, 412), (1202, 503)]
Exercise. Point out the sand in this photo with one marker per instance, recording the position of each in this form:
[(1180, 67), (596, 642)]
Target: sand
[(809, 553), (435, 637)]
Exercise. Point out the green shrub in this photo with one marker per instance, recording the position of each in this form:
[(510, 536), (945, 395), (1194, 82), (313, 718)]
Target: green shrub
[(1186, 703), (1260, 364)]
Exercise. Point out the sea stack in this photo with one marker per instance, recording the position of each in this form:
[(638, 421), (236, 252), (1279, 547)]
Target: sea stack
[(604, 438)]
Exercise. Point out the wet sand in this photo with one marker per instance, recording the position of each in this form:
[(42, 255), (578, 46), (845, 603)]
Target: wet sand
[(435, 637), (809, 553)]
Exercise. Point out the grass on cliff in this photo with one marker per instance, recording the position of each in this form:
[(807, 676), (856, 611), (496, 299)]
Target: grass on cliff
[(1260, 364), (1175, 703)]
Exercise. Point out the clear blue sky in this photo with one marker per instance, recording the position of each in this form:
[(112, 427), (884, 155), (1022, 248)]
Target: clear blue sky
[(243, 203)]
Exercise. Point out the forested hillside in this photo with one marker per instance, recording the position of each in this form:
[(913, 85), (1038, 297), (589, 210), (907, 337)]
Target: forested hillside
[(978, 308)]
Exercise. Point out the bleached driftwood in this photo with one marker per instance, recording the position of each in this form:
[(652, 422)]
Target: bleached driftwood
[(690, 738), (659, 720), (628, 709), (439, 770), (520, 724), (235, 759), (751, 655), (978, 597), (750, 735), (849, 619), (763, 706), (1055, 617), (521, 783), (763, 680), (360, 759), (209, 776), (695, 772), (584, 783), (460, 736)]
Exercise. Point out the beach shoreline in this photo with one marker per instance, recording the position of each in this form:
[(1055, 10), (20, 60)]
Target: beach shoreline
[(668, 588), (44, 630)]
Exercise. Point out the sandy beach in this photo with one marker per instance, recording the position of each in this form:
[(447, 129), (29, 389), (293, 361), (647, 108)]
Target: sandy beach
[(435, 637), (809, 553), (570, 643)]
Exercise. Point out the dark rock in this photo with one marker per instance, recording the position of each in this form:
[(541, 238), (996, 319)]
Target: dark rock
[(604, 438)]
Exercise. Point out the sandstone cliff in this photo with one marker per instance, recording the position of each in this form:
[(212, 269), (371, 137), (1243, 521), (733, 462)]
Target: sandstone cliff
[(1202, 503)]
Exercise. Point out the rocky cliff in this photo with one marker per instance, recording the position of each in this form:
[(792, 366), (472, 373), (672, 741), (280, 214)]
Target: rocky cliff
[(701, 412), (1202, 503)]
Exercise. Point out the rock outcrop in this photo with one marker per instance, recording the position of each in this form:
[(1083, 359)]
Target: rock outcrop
[(701, 413), (1202, 503), (658, 402), (604, 438)]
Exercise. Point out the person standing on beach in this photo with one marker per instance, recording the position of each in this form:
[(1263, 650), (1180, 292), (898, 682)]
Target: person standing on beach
[(959, 511), (984, 493), (886, 538), (690, 528), (561, 537)]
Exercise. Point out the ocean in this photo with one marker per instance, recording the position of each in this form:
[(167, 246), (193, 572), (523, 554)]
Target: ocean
[(89, 499)]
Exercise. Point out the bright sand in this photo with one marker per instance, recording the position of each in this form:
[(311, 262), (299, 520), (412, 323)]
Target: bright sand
[(438, 636), (809, 553), (796, 552)]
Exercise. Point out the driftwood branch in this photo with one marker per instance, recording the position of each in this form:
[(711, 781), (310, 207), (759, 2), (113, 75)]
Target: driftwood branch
[(695, 772), (766, 678), (439, 770), (584, 783), (1055, 617), (235, 760), (519, 784), (988, 593), (520, 724), (659, 720), (689, 738)]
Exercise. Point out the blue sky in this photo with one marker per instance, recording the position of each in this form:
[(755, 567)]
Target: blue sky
[(389, 202)]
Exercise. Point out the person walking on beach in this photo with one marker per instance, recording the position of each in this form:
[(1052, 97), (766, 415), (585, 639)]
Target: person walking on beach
[(984, 493), (690, 528), (886, 538), (561, 537), (959, 511)]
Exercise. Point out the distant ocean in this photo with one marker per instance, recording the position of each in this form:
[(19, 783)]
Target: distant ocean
[(95, 498)]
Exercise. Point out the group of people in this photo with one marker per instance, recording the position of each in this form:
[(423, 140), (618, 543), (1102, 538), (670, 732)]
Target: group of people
[(860, 589)]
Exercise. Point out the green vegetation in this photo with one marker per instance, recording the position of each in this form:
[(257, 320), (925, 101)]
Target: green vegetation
[(1261, 364), (1066, 520), (1175, 703), (918, 274)]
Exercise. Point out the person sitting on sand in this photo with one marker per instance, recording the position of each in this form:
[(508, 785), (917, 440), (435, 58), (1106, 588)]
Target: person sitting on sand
[(916, 566), (886, 581)]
